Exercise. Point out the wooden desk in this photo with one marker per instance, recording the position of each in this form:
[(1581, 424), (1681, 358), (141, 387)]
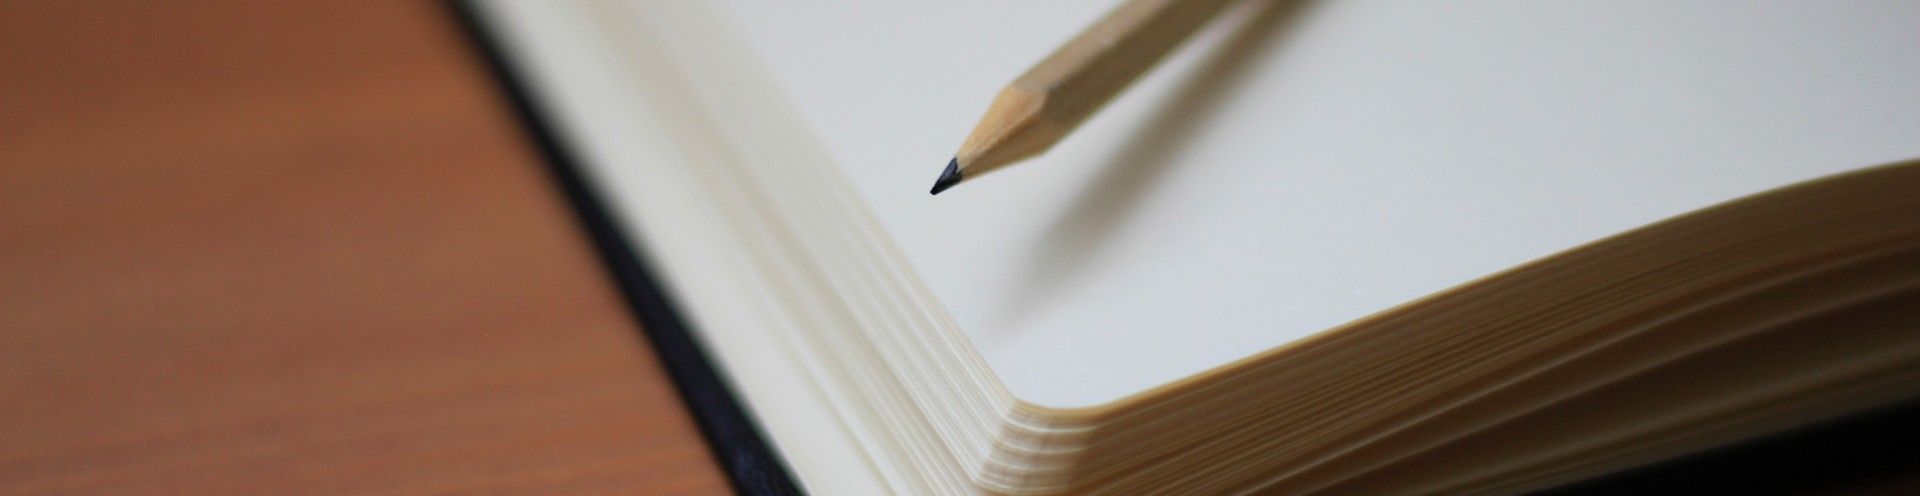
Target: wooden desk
[(292, 248)]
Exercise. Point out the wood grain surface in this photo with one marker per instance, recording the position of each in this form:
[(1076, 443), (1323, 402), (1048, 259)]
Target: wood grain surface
[(299, 248)]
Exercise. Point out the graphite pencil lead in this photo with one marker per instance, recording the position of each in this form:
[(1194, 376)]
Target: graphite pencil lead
[(949, 177)]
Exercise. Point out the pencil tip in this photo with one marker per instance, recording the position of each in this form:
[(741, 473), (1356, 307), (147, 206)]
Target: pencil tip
[(949, 177)]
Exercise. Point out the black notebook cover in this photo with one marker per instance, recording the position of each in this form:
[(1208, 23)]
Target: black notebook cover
[(737, 443)]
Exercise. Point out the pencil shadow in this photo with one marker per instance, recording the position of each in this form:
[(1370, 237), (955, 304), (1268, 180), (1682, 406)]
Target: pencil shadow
[(1078, 235)]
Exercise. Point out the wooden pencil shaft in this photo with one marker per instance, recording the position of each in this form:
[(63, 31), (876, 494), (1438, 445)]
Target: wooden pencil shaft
[(1046, 103)]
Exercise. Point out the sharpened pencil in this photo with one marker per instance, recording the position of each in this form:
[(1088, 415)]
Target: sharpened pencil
[(1046, 103)]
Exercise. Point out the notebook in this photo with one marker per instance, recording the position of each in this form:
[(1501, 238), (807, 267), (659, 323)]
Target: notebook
[(1367, 246)]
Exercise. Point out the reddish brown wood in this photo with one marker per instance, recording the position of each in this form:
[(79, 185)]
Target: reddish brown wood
[(299, 248)]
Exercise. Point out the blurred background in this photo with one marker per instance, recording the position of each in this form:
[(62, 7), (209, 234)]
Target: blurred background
[(300, 247)]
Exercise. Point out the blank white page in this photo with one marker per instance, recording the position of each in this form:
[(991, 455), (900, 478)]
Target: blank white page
[(1289, 172)]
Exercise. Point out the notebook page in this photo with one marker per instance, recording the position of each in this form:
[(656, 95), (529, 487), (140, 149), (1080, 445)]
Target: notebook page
[(1300, 166)]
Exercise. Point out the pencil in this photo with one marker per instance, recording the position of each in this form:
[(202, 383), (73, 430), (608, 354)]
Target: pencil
[(1046, 103)]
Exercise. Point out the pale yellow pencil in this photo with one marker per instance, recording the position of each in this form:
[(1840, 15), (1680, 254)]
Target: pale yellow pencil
[(1054, 97)]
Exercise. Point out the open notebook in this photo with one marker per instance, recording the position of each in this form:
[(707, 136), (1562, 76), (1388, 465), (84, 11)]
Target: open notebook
[(1367, 246)]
